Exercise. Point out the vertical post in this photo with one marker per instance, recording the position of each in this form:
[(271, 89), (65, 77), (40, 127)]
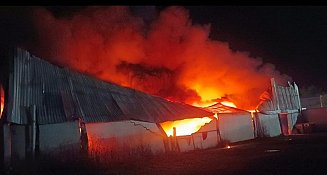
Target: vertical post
[(254, 124), (171, 141), (193, 141), (174, 132), (33, 130), (321, 105), (165, 137), (83, 137), (175, 140), (218, 130)]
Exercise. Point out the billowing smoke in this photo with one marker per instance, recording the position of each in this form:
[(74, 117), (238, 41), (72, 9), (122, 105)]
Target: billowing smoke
[(168, 56)]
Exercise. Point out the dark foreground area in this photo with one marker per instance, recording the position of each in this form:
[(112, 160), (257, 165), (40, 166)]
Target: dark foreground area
[(297, 154)]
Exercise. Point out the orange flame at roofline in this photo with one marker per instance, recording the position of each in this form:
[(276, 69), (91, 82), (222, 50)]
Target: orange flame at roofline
[(228, 103), (2, 100), (184, 127), (209, 103), (203, 104)]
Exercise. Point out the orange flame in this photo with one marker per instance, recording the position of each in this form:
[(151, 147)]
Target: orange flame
[(202, 104), (228, 103), (2, 100), (184, 127), (171, 57), (2, 104)]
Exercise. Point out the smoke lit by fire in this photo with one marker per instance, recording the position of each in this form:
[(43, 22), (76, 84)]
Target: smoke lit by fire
[(170, 56), (184, 127)]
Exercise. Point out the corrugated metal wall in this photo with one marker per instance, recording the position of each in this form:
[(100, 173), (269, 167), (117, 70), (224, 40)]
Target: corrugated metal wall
[(282, 99)]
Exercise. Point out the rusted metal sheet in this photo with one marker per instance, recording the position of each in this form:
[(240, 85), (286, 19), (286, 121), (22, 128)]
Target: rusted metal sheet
[(62, 95)]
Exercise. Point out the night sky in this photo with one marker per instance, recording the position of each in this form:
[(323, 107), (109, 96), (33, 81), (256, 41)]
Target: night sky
[(294, 39)]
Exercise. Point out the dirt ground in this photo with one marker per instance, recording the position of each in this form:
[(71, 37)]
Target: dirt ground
[(297, 154)]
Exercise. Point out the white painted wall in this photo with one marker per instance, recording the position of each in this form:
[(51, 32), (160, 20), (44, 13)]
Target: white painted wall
[(205, 140), (125, 136), (59, 137), (185, 143), (236, 127), (210, 131), (206, 137), (267, 125)]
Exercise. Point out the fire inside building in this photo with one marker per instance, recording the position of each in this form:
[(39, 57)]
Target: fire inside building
[(47, 109)]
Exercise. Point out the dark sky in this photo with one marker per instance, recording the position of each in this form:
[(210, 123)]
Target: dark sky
[(294, 39)]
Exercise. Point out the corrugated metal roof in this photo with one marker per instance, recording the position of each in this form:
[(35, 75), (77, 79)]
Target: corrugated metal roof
[(61, 95)]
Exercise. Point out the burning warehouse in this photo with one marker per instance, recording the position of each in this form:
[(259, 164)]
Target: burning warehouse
[(49, 109)]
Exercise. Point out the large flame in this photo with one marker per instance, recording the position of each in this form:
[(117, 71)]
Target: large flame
[(228, 103), (203, 104), (184, 127), (168, 56)]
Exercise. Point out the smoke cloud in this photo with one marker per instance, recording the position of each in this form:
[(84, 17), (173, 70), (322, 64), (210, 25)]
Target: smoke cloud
[(166, 55)]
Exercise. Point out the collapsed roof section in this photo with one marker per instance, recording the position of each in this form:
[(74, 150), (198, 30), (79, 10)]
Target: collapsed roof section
[(60, 95), (219, 108)]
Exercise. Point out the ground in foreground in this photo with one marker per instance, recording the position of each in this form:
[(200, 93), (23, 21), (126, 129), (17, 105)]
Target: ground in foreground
[(297, 154)]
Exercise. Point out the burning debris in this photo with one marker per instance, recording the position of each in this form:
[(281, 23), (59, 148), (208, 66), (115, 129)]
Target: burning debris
[(169, 56)]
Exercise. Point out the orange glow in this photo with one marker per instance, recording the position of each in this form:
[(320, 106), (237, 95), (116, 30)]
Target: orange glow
[(173, 58), (2, 101), (206, 93), (184, 127), (203, 104), (2, 104), (228, 103)]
